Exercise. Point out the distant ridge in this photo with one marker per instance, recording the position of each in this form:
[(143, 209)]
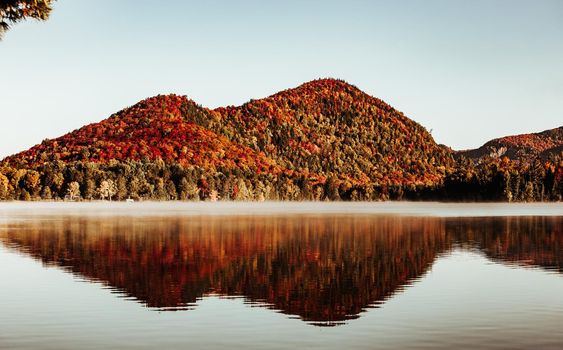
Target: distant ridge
[(521, 147)]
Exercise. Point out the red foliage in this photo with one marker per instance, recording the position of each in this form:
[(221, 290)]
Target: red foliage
[(153, 128), (319, 128), (559, 174)]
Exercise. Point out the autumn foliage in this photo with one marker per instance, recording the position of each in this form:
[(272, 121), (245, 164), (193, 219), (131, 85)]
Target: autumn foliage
[(324, 140), (526, 146)]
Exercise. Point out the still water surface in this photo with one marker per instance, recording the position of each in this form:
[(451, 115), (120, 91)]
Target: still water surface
[(147, 277)]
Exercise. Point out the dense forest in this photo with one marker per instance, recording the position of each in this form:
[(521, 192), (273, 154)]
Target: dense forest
[(324, 140)]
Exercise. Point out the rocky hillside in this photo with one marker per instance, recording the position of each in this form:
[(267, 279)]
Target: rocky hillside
[(521, 147)]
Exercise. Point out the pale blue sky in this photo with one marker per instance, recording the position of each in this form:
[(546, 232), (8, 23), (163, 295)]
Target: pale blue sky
[(467, 70)]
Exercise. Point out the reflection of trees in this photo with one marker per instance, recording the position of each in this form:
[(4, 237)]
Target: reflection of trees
[(323, 269), (532, 241), (329, 270)]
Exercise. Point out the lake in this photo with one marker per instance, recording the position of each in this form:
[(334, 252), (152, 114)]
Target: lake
[(281, 275)]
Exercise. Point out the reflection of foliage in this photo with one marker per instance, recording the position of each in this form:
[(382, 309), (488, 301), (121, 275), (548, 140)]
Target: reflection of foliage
[(322, 269), (531, 241), (13, 11)]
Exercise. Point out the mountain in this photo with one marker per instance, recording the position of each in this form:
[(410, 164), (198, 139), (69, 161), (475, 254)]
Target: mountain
[(323, 140), (161, 126), (324, 130), (521, 147), (329, 127)]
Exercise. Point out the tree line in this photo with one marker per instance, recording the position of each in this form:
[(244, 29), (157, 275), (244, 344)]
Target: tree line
[(489, 180)]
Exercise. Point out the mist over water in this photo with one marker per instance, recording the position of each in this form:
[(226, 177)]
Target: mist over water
[(13, 210), (279, 275)]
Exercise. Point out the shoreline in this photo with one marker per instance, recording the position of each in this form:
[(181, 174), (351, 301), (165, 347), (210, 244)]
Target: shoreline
[(228, 208)]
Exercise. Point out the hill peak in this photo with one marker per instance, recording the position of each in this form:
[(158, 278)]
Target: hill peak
[(328, 83), (324, 86)]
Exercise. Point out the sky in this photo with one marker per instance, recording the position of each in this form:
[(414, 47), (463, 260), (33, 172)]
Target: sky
[(468, 71)]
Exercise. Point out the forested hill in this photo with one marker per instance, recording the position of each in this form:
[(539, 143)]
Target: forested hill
[(331, 128), (324, 128), (161, 127), (323, 140), (521, 147)]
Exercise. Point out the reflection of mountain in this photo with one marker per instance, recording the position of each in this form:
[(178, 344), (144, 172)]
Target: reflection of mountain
[(324, 269), (532, 241)]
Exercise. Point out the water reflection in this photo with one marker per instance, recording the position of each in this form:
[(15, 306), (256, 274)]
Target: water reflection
[(324, 269)]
